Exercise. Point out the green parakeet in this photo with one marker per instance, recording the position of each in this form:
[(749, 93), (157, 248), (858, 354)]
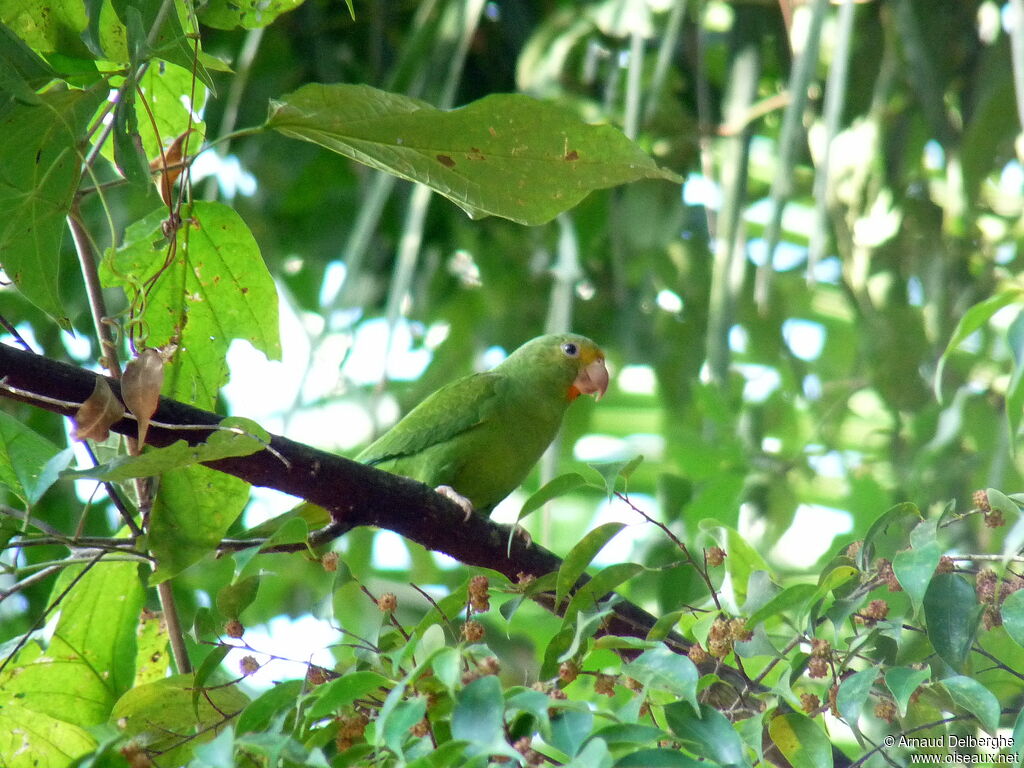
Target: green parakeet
[(480, 435)]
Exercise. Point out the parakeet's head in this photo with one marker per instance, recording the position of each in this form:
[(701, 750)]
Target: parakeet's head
[(572, 363)]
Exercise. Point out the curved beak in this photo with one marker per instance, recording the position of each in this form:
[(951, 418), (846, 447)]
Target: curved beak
[(592, 380)]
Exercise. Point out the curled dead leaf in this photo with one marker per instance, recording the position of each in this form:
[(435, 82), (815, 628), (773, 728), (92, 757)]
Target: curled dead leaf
[(97, 413), (140, 387), (169, 166)]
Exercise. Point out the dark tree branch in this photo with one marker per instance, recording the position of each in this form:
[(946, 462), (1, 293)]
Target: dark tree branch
[(353, 493)]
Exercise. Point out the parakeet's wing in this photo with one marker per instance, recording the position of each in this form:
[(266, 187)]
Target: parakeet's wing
[(451, 410)]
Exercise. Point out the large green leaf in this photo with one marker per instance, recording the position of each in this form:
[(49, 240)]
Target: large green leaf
[(248, 14), (580, 557), (24, 457), (705, 732), (58, 684), (31, 739), (661, 668), (221, 444), (976, 699), (161, 715), (479, 716), (40, 167), (216, 288), (903, 681), (972, 320), (802, 741), (22, 71), (99, 618), (951, 613), (914, 567), (505, 155), (194, 509)]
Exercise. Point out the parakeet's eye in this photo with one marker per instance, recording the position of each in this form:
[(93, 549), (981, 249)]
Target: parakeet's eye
[(571, 349)]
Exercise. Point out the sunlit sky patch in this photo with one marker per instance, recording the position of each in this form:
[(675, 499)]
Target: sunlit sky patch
[(232, 179), (805, 338), (636, 379), (811, 535), (299, 641)]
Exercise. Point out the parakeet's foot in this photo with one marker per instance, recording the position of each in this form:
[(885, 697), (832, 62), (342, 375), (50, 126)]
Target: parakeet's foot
[(450, 493)]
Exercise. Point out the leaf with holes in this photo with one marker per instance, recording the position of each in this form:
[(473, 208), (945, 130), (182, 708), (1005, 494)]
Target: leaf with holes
[(505, 155)]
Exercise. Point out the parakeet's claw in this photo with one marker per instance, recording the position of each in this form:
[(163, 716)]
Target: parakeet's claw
[(516, 531), (450, 493), (523, 534)]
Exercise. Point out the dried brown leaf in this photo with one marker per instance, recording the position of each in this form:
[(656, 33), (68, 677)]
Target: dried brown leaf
[(170, 166), (140, 387), (97, 413)]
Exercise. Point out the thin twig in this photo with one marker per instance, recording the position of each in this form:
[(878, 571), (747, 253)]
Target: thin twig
[(41, 619)]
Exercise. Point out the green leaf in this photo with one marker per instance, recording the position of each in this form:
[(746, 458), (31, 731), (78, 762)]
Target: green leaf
[(194, 508), (1018, 736), (972, 320), (742, 561), (158, 713), (204, 675), (661, 668), (971, 695), (581, 555), (215, 289), (98, 621), (611, 471), (24, 459), (951, 614), (666, 623), (400, 718), (659, 758), (41, 167), (801, 741), (247, 14), (58, 684), (914, 567), (58, 30), (479, 716), (705, 732), (218, 753), (234, 598), (853, 693), (30, 738), (888, 534), (169, 115), (22, 71), (1015, 390), (259, 713), (559, 486), (179, 454), (594, 754), (152, 659), (794, 598), (530, 702), (903, 681), (630, 733), (505, 155), (566, 643), (339, 693), (1012, 611), (570, 729), (603, 582)]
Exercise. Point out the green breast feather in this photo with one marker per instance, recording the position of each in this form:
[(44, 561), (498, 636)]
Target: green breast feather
[(482, 434)]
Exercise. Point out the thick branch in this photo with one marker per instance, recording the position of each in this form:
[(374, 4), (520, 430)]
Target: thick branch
[(353, 493)]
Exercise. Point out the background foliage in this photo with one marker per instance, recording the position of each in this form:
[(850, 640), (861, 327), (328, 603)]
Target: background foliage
[(818, 342)]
